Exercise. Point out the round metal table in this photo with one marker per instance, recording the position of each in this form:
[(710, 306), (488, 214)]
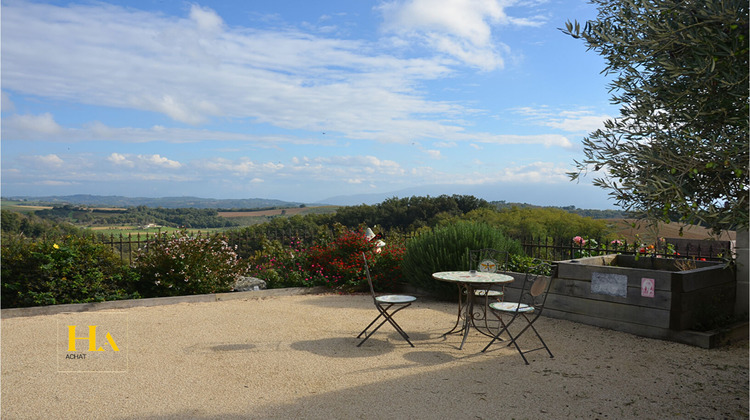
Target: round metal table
[(468, 282)]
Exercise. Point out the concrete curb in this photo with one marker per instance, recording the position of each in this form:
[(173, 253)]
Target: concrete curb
[(132, 303)]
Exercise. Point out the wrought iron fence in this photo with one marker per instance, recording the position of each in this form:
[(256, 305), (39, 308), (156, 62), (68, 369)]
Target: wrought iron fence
[(244, 243), (567, 249), (543, 248)]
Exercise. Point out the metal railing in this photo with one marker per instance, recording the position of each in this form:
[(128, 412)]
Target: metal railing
[(543, 248), (566, 249)]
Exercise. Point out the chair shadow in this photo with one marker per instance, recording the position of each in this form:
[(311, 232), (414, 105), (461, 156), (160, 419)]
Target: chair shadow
[(374, 346), (429, 358), (345, 347)]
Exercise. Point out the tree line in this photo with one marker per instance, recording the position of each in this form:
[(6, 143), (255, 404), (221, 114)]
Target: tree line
[(139, 215), (394, 215)]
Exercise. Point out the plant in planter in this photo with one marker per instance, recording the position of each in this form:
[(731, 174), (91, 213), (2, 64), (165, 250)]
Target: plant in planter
[(653, 297)]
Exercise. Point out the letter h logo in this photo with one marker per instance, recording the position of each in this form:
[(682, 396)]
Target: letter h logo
[(72, 338)]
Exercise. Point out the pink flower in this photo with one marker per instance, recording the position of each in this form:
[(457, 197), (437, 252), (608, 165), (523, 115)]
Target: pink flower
[(580, 241)]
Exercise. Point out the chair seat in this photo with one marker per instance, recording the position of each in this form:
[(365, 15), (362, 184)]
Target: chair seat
[(511, 307), (493, 293), (395, 299)]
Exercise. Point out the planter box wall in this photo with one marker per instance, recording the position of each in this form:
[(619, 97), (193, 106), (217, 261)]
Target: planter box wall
[(680, 299)]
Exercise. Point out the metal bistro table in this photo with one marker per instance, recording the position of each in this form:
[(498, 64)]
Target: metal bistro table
[(468, 282)]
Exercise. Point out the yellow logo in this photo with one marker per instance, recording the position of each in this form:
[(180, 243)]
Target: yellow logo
[(92, 342), (72, 338)]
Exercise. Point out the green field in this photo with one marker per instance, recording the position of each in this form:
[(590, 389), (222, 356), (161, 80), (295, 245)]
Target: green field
[(242, 218)]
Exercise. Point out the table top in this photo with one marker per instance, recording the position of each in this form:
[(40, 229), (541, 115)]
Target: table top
[(468, 277)]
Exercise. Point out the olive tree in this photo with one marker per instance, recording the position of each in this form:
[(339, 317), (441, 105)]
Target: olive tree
[(679, 148)]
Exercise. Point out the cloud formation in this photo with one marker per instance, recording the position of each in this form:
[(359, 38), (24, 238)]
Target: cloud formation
[(185, 97), (462, 29)]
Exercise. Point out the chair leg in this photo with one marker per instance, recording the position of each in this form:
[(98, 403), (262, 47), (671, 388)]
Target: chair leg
[(371, 324), (388, 318), (499, 332), (514, 340), (542, 341)]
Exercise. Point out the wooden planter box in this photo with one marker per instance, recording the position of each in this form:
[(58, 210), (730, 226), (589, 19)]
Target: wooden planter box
[(644, 296)]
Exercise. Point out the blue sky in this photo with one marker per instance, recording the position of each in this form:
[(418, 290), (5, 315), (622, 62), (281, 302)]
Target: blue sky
[(299, 100)]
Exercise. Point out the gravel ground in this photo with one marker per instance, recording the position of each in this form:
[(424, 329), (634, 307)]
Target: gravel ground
[(285, 357)]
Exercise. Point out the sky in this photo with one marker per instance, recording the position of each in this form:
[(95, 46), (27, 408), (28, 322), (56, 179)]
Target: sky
[(302, 101)]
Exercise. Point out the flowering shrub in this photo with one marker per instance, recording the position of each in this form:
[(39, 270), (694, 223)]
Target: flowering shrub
[(585, 247), (340, 262), (659, 248), (337, 264), (385, 266), (178, 264), (69, 270), (281, 266)]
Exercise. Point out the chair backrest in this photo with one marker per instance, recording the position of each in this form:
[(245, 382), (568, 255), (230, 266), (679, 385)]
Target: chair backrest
[(536, 285), (487, 260), (367, 272)]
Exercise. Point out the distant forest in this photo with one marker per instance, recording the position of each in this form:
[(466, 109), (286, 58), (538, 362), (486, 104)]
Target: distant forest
[(165, 202), (592, 213), (392, 215), (140, 215), (399, 213)]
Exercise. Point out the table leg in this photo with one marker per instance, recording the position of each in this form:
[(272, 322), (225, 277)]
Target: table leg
[(466, 317), (460, 308), (468, 314), (465, 312)]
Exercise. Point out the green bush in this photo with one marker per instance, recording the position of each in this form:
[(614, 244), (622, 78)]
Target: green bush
[(178, 264), (446, 248), (282, 265), (69, 270), (336, 264)]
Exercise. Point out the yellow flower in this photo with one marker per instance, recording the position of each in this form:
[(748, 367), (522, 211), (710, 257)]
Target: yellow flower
[(56, 246)]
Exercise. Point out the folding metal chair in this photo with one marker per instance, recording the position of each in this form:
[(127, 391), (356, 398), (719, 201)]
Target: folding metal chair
[(384, 304), (529, 307)]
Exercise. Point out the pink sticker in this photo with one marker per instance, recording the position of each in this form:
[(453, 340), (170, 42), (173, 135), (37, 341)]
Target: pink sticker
[(647, 287)]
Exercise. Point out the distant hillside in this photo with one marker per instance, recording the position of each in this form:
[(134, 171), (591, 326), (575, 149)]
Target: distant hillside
[(165, 202), (592, 213)]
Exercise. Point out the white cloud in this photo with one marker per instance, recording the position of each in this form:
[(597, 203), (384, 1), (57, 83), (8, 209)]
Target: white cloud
[(573, 121), (435, 154), (240, 167), (460, 28), (32, 126), (54, 183), (535, 172), (159, 161), (7, 104), (196, 68), (444, 144), (119, 159), (49, 160), (206, 19), (586, 123), (547, 140)]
